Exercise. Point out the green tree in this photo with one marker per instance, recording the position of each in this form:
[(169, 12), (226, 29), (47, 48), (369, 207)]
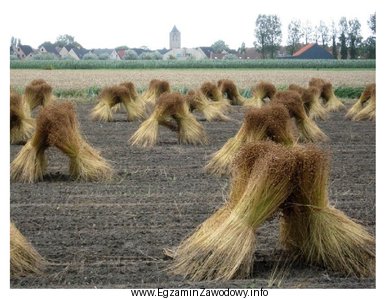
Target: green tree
[(230, 57), (343, 29), (90, 56), (13, 46), (368, 48), (66, 40), (324, 34), (130, 55), (343, 46), (369, 45), (294, 36), (44, 56), (268, 34), (242, 49), (122, 48), (307, 32), (354, 37), (219, 46), (103, 56), (13, 41), (153, 55), (333, 38), (315, 34), (372, 23)]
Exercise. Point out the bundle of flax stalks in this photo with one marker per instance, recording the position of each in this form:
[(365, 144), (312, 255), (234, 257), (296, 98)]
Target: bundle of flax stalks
[(171, 111), (271, 122), (123, 94), (266, 178), (308, 129), (317, 233), (24, 258), (229, 90), (155, 90), (212, 111), (37, 93), (310, 97), (57, 125), (331, 102), (261, 91), (223, 246), (21, 124), (364, 107), (213, 93)]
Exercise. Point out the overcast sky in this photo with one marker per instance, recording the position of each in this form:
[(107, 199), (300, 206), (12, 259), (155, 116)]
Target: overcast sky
[(100, 24)]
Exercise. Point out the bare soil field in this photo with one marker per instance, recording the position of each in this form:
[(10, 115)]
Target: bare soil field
[(112, 234), (191, 78)]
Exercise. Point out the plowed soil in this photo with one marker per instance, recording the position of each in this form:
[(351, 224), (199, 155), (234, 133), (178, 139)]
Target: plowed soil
[(112, 234)]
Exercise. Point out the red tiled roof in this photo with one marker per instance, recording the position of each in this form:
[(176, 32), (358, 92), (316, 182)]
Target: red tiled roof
[(121, 53), (302, 50)]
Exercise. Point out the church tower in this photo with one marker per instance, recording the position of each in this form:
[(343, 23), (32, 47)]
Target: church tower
[(175, 38)]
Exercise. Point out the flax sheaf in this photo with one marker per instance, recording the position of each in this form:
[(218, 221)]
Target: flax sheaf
[(57, 125), (22, 124), (150, 96), (271, 122), (37, 93), (212, 92), (112, 97), (269, 177), (317, 233), (331, 102), (308, 129), (222, 247), (310, 97), (230, 91), (171, 111), (364, 107), (211, 110), (24, 258), (261, 91)]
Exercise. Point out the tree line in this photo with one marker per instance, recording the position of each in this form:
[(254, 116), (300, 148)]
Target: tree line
[(344, 39)]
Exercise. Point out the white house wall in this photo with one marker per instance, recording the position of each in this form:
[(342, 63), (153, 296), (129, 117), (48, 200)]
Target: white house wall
[(184, 54)]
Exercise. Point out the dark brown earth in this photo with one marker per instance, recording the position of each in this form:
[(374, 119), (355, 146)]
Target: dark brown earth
[(112, 235)]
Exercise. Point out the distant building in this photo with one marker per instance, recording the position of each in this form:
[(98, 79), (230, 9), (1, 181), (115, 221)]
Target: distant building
[(174, 39), (121, 54), (23, 51), (77, 53), (63, 52), (50, 48), (312, 51), (114, 55), (207, 50), (218, 55), (249, 53), (184, 54), (111, 54)]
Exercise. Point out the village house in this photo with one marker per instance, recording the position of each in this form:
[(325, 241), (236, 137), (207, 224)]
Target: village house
[(184, 54), (111, 54), (23, 51), (312, 51), (50, 48), (77, 53), (249, 53)]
